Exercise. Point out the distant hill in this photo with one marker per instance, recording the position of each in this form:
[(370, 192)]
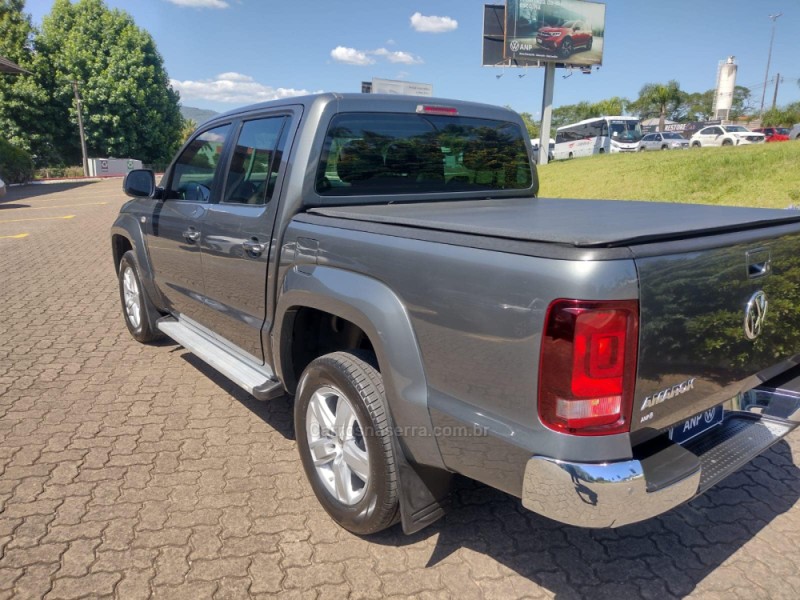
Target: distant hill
[(198, 115)]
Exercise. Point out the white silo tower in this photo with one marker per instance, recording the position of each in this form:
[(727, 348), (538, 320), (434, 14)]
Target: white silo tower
[(726, 84)]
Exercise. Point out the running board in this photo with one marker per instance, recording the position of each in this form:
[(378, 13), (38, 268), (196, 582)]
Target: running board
[(257, 380)]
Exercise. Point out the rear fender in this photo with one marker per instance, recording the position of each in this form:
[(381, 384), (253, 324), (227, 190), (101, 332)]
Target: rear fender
[(376, 309)]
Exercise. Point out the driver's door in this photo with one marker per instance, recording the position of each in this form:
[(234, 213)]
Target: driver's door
[(175, 230)]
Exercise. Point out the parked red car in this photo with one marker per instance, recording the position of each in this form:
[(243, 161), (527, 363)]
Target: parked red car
[(566, 38), (774, 134)]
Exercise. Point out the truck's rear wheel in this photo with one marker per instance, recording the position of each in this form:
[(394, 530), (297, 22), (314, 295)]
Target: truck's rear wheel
[(345, 441)]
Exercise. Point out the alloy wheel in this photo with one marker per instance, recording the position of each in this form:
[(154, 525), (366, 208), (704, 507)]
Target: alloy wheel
[(337, 446)]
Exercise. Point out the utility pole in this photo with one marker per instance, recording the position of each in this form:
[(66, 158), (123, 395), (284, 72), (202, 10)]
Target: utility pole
[(775, 96), (547, 112), (80, 128), (774, 18)]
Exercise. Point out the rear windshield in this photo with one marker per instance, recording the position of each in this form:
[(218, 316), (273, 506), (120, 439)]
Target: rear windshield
[(385, 153)]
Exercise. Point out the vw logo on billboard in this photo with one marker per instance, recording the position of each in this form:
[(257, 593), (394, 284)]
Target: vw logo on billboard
[(754, 315)]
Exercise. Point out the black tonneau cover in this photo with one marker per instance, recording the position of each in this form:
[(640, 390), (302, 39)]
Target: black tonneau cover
[(578, 223)]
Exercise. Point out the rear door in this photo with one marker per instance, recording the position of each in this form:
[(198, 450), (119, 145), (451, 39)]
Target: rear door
[(238, 231), (714, 321)]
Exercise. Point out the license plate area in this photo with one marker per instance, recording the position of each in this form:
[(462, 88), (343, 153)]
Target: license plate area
[(696, 425)]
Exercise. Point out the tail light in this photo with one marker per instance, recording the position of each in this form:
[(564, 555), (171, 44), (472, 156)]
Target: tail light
[(587, 369)]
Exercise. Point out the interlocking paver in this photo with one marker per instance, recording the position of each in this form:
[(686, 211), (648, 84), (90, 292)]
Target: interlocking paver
[(134, 471)]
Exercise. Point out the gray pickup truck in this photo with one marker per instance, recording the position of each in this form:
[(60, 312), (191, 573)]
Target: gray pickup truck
[(387, 261)]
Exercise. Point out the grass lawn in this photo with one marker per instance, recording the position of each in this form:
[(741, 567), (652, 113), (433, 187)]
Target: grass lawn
[(765, 175)]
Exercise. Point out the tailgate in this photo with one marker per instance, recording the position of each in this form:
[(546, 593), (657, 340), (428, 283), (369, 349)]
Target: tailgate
[(703, 334)]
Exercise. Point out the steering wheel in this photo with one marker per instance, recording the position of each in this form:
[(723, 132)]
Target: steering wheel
[(195, 191)]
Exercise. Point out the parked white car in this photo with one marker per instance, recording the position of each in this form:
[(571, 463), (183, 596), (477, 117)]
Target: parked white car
[(666, 140), (725, 135), (2, 188)]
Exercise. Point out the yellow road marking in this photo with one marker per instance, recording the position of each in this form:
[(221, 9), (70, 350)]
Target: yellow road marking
[(38, 219), (19, 236), (60, 206)]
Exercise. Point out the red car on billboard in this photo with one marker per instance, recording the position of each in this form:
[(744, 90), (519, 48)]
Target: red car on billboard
[(774, 134), (566, 38)]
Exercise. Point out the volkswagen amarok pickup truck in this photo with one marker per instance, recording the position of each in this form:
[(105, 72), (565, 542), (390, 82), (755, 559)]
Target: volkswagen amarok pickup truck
[(386, 260)]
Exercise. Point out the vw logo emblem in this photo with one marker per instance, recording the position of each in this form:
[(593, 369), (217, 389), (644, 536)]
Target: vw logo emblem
[(514, 46), (754, 315), (709, 415)]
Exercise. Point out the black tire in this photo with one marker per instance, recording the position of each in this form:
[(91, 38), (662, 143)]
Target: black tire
[(571, 156), (591, 42), (565, 50), (665, 147), (727, 143), (602, 151), (355, 377), (145, 330), (696, 145), (641, 149)]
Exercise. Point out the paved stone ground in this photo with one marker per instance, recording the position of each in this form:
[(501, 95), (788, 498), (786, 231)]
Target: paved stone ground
[(133, 471)]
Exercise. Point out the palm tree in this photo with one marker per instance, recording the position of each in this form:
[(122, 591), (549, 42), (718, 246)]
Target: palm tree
[(660, 96)]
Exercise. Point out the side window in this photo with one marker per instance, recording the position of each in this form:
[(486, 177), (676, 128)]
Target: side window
[(193, 173), (255, 162)]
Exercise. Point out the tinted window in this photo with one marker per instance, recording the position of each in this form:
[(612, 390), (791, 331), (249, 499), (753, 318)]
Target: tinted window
[(376, 154), (254, 163), (193, 173)]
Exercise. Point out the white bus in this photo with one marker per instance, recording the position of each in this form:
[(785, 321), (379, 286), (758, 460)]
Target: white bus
[(597, 136)]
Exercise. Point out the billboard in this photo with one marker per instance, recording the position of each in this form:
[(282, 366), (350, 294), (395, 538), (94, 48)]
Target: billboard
[(568, 32), (408, 88)]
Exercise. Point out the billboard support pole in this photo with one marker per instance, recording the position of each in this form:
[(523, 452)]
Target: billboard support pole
[(547, 112)]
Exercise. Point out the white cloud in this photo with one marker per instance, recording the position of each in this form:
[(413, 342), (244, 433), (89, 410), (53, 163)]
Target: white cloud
[(432, 24), (398, 57), (351, 56), (233, 88), (361, 58), (201, 3)]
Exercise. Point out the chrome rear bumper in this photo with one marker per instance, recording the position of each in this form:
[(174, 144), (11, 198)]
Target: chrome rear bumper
[(612, 494)]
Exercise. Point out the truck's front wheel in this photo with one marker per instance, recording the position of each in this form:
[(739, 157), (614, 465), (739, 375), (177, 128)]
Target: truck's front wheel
[(345, 441), (140, 314)]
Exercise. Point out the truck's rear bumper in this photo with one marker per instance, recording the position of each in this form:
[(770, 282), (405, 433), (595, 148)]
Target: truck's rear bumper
[(664, 475)]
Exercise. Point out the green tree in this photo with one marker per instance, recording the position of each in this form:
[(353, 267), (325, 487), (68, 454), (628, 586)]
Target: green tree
[(742, 102), (15, 31), (531, 125), (572, 113), (785, 116), (129, 107), (189, 125), (658, 99), (610, 107), (698, 106)]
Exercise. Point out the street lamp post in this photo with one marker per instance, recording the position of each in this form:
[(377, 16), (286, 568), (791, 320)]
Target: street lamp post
[(774, 18)]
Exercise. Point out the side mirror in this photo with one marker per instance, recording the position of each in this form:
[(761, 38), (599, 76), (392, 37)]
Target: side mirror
[(140, 183)]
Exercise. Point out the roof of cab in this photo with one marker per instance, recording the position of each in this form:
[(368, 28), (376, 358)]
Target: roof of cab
[(353, 99)]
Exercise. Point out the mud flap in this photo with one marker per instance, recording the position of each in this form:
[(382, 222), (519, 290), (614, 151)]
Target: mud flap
[(424, 492)]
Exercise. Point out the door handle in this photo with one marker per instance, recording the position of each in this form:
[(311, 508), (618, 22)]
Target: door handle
[(254, 248), (191, 235)]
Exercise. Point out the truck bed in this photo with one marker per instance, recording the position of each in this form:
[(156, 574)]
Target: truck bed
[(577, 223)]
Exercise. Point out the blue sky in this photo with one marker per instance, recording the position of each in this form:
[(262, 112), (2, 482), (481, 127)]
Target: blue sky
[(225, 53)]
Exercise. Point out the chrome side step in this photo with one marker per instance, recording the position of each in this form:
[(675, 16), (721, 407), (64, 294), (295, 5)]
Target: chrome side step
[(258, 380)]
